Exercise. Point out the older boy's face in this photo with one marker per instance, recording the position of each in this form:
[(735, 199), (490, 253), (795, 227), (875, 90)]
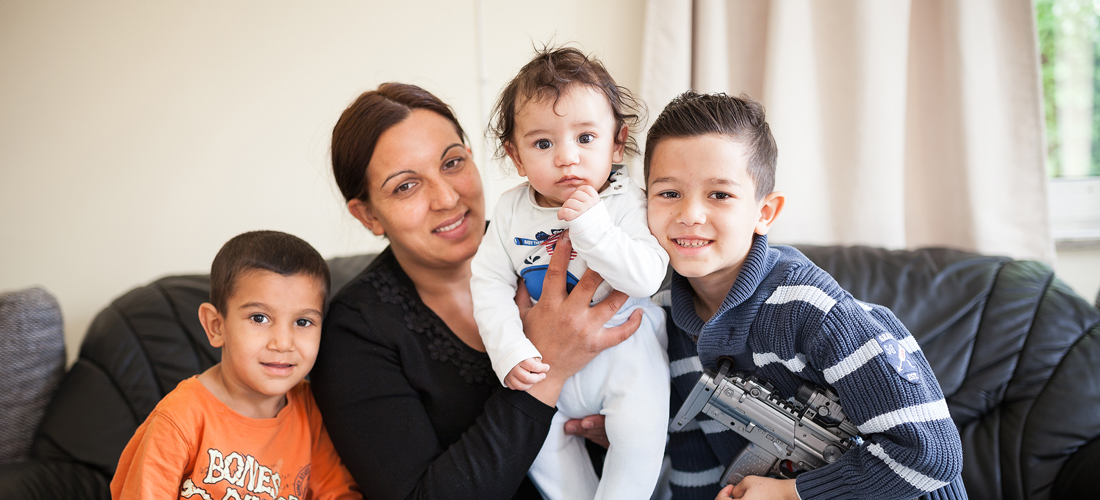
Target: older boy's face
[(270, 334), (703, 208)]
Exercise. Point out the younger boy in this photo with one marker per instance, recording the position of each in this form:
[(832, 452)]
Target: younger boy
[(710, 167), (247, 428)]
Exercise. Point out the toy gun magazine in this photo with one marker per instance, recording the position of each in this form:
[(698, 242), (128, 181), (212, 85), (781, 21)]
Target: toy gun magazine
[(786, 437)]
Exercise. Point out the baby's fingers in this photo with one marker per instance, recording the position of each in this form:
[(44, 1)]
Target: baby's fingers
[(585, 193), (534, 365), (521, 380), (567, 214), (525, 380)]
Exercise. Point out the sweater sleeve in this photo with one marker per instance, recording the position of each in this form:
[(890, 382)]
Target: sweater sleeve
[(911, 446), (613, 238), (382, 431), (493, 286)]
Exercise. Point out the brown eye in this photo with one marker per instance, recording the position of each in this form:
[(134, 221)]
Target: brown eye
[(542, 144), (453, 163), (258, 318)]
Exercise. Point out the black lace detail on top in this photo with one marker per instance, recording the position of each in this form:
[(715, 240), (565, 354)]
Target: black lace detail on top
[(443, 345)]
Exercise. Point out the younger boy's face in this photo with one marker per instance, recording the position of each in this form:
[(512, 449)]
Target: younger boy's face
[(703, 208), (269, 333), (561, 146)]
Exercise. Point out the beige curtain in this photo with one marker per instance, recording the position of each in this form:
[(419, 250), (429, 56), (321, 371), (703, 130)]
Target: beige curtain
[(899, 123)]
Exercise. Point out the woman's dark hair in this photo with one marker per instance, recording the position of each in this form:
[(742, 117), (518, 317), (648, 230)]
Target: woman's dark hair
[(357, 131), (739, 118), (549, 74), (273, 251)]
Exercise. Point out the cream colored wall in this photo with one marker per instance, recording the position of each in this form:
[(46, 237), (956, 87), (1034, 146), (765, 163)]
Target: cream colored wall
[(136, 137)]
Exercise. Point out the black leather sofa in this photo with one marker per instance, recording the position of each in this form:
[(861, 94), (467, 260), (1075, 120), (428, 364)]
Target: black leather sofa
[(1016, 351)]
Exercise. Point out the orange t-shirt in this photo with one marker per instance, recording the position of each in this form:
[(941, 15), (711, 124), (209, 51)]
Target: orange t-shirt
[(195, 447)]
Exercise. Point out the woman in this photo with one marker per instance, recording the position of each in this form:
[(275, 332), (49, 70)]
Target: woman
[(406, 389)]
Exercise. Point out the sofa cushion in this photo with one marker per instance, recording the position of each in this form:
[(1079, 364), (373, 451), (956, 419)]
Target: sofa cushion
[(32, 361)]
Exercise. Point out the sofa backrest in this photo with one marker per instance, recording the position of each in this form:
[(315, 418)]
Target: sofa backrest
[(1016, 352)]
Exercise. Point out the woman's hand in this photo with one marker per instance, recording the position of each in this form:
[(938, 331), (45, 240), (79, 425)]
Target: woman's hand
[(590, 428), (565, 329)]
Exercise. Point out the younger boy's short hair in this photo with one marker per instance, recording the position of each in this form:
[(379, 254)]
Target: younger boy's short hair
[(740, 118), (550, 73), (273, 251)]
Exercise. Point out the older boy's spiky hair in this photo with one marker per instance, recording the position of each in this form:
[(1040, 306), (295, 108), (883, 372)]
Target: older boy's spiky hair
[(740, 118), (549, 74), (273, 251)]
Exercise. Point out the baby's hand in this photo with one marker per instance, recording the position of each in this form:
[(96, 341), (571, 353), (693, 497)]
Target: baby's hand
[(526, 374), (756, 487), (583, 198)]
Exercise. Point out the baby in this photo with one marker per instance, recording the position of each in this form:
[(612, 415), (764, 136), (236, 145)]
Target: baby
[(563, 122)]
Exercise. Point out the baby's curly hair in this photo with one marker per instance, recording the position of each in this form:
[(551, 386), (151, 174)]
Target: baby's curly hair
[(550, 73)]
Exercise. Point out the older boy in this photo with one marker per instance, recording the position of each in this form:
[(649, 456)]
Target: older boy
[(247, 427), (710, 167)]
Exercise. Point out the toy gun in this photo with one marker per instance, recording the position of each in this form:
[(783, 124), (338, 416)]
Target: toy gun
[(785, 437)]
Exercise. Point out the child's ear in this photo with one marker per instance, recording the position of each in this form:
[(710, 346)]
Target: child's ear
[(214, 324), (510, 150), (362, 212), (769, 210), (620, 144)]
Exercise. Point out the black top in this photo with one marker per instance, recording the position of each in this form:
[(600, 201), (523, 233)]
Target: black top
[(413, 411)]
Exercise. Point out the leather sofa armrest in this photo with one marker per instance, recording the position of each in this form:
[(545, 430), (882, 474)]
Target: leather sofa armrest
[(51, 479)]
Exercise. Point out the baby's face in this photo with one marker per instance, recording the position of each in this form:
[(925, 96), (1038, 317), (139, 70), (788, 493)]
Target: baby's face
[(702, 206), (564, 145)]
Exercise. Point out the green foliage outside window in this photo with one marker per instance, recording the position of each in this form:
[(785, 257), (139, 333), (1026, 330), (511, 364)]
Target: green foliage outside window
[(1063, 25)]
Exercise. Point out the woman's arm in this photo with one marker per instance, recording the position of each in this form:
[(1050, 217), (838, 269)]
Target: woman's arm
[(379, 425)]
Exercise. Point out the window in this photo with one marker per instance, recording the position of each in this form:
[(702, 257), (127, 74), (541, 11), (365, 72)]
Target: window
[(1069, 46)]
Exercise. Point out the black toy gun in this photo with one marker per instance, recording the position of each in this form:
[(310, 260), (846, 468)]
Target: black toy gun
[(785, 437)]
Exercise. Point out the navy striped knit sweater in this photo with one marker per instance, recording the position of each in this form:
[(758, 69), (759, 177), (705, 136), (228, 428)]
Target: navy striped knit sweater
[(788, 321)]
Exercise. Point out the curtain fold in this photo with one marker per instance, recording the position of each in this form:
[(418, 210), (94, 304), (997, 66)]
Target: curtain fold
[(900, 124)]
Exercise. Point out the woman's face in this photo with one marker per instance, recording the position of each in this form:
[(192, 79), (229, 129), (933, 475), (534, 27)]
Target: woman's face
[(424, 193)]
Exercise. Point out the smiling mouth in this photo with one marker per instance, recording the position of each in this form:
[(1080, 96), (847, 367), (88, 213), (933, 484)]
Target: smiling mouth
[(451, 226), (691, 243), (279, 366)]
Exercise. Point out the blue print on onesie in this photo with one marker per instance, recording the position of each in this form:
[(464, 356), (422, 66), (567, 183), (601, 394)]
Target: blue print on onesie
[(534, 274)]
